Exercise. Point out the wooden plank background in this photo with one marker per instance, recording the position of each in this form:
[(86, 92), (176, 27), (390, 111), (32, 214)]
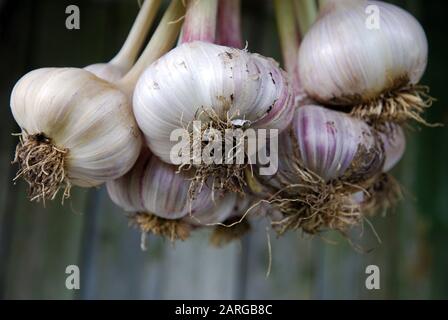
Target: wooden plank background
[(36, 243)]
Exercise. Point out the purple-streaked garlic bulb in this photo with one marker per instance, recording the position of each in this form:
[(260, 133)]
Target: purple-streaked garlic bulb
[(324, 158), (224, 88), (370, 54), (331, 144), (153, 186)]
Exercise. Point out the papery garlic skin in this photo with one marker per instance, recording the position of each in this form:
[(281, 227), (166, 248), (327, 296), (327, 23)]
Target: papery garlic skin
[(226, 207), (87, 116), (107, 71), (343, 60), (155, 187), (165, 193), (198, 75), (394, 142), (330, 143)]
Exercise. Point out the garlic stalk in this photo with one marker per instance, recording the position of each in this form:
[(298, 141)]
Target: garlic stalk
[(324, 158), (153, 188), (116, 68), (223, 88), (200, 21), (369, 55), (228, 30), (78, 129), (290, 39), (306, 13)]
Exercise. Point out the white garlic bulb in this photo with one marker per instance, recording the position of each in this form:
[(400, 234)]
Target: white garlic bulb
[(115, 69), (78, 129), (199, 76), (154, 187), (369, 53), (72, 113)]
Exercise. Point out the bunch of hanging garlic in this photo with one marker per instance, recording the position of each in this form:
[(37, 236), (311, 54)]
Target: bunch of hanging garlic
[(333, 163), (336, 112)]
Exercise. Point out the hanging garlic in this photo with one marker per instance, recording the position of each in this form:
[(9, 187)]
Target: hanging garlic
[(369, 55), (78, 129), (331, 144), (224, 88), (116, 68), (324, 158), (160, 198)]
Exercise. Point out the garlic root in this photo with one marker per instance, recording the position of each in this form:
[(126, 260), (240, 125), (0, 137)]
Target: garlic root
[(399, 106), (384, 193), (314, 205), (41, 165), (227, 178), (170, 229)]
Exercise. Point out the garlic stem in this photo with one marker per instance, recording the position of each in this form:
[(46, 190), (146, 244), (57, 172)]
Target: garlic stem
[(127, 55), (289, 38), (306, 13), (229, 24), (161, 42), (200, 21)]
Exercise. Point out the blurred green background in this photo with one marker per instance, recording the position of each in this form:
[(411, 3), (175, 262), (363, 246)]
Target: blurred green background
[(37, 243)]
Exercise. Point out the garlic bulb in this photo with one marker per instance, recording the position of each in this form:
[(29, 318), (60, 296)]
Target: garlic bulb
[(78, 129), (374, 62), (331, 144), (74, 126), (224, 88), (154, 188), (324, 158), (123, 61)]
